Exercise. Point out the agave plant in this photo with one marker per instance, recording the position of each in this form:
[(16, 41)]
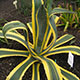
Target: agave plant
[(36, 53)]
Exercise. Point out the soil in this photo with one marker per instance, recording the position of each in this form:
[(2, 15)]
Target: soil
[(8, 12)]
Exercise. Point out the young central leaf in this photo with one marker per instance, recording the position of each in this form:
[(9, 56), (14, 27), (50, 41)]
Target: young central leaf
[(35, 5), (42, 25)]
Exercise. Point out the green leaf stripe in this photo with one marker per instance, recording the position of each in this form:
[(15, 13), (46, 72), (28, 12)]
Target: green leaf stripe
[(54, 31), (20, 39), (53, 28), (35, 71), (35, 5), (18, 72), (42, 24), (63, 39), (14, 36), (11, 52), (68, 75), (56, 18), (64, 49), (30, 26), (60, 10), (12, 26), (51, 70)]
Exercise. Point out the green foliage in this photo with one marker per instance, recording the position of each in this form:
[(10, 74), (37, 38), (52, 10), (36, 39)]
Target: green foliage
[(70, 20), (37, 53)]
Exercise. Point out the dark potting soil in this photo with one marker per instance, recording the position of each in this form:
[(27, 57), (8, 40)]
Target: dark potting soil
[(8, 12)]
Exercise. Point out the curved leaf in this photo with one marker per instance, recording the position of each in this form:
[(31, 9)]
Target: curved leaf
[(35, 5), (51, 70), (35, 71), (59, 11), (68, 75), (12, 26), (48, 38), (54, 32), (56, 18), (17, 37), (18, 72), (42, 27), (63, 39), (11, 52), (53, 28), (14, 36), (30, 26), (64, 49)]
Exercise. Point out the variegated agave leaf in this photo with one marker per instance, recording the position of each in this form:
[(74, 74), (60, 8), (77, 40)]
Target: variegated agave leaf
[(36, 53)]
